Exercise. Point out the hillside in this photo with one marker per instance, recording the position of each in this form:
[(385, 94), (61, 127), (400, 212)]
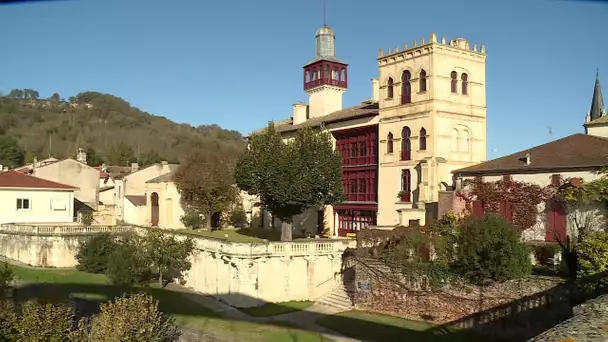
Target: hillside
[(106, 126)]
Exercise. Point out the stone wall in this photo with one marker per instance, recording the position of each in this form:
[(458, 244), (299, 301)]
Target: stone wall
[(241, 274), (514, 310)]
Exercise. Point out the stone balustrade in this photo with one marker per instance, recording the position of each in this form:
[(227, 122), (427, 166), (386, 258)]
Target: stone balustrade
[(242, 274), (60, 230)]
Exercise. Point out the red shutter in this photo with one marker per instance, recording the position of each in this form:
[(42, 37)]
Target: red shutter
[(478, 208), (556, 222)]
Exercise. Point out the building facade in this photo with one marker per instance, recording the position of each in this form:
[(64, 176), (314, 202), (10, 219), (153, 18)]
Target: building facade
[(426, 117)]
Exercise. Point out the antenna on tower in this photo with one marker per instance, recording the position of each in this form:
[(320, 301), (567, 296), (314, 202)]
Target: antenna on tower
[(324, 13)]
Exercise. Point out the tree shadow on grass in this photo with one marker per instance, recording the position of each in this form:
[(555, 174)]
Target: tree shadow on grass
[(86, 299)]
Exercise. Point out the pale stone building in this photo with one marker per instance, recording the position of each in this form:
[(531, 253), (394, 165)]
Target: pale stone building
[(426, 117), (578, 156)]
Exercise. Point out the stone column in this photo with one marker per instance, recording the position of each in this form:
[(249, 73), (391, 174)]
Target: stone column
[(310, 275)]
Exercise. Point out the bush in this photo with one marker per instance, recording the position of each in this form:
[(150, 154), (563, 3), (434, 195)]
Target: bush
[(490, 248), (132, 318), (44, 322), (93, 254), (7, 276), (126, 265), (545, 254), (8, 321), (192, 220), (593, 254), (238, 217), (86, 218)]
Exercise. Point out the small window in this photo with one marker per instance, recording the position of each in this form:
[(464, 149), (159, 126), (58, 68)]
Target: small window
[(454, 77), (326, 72), (389, 88), (23, 204), (343, 75), (362, 186), (422, 139), (362, 149), (353, 149), (422, 81), (389, 143), (353, 186), (58, 205), (465, 84), (307, 76)]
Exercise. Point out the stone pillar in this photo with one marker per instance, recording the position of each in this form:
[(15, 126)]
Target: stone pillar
[(247, 278), (310, 275), (286, 275)]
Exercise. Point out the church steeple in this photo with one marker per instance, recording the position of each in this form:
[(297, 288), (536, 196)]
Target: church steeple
[(597, 103)]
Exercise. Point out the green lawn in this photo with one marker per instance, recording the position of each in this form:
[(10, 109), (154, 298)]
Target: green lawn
[(378, 328), (275, 309), (65, 283), (240, 235)]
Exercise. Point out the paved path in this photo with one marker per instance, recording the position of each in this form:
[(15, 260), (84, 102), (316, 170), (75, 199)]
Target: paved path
[(304, 319)]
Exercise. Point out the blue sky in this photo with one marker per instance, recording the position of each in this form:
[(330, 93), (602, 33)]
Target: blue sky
[(238, 63)]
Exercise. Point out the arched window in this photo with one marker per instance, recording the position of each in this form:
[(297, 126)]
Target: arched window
[(406, 186), (314, 74), (336, 74), (465, 140), (455, 135), (454, 77), (422, 81), (389, 88), (343, 75), (307, 76), (389, 143), (406, 87), (465, 84), (326, 73), (422, 139), (406, 144)]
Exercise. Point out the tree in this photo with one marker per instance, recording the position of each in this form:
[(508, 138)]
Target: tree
[(205, 181), (166, 255), (490, 249), (55, 97), (129, 318), (10, 153), (291, 177), (150, 157), (93, 157), (120, 154), (93, 254)]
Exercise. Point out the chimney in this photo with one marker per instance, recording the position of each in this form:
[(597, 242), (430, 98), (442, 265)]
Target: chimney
[(375, 90), (81, 156), (300, 113), (134, 167)]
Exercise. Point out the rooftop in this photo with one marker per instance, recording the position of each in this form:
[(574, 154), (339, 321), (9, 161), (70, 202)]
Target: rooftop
[(362, 110), (18, 180), (577, 151)]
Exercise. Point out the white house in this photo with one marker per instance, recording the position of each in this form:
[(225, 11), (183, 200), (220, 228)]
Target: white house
[(29, 199)]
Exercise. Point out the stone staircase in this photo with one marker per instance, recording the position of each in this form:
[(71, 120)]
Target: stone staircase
[(341, 298)]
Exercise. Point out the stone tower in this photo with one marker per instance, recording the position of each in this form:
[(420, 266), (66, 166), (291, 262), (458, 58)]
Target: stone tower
[(325, 77), (432, 121)]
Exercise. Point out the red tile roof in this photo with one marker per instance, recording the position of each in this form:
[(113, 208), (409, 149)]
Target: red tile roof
[(577, 151), (16, 179)]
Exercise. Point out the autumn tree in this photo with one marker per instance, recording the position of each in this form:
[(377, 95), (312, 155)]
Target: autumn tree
[(291, 177), (205, 181)]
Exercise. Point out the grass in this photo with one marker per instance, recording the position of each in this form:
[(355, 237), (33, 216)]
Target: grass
[(71, 283), (275, 309), (376, 328), (240, 235)]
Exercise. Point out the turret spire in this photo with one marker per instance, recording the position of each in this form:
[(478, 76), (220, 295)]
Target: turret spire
[(597, 103)]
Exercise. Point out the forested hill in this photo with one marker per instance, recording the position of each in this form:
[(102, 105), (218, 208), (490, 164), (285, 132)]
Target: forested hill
[(106, 126)]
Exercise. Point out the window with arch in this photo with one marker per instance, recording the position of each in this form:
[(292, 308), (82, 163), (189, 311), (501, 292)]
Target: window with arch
[(422, 139), (454, 80), (406, 87), (406, 144), (406, 186), (422, 81), (336, 74), (314, 74), (455, 135), (343, 75), (389, 143), (326, 73), (389, 88), (465, 84), (465, 140), (307, 76)]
